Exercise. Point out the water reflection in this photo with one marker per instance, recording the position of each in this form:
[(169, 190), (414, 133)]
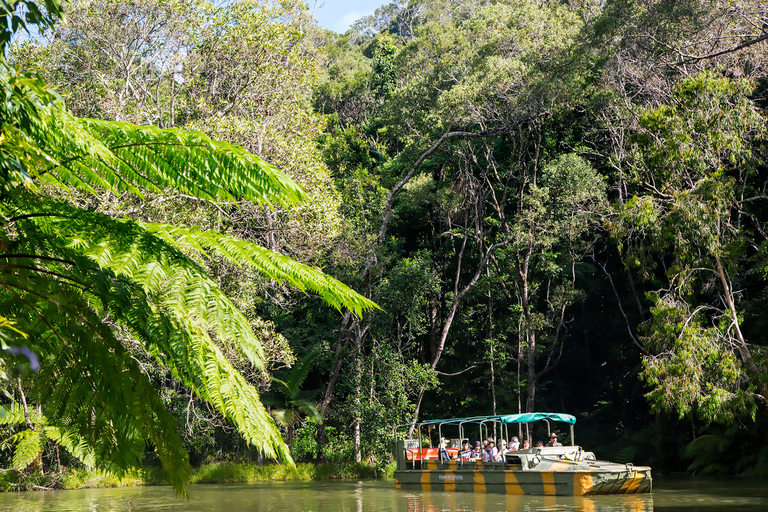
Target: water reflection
[(682, 495), (469, 502)]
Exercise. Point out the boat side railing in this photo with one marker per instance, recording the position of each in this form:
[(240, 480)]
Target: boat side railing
[(412, 459)]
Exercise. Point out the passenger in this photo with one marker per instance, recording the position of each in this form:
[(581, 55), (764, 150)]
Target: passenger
[(489, 453), (514, 444), (553, 440), (476, 451), (444, 455), (502, 450), (539, 444), (466, 451), (526, 444)]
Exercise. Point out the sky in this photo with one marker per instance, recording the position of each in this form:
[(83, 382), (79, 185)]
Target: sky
[(338, 15)]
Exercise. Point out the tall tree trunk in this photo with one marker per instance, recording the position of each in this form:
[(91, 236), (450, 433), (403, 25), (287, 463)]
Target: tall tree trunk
[(530, 401), (358, 379), (458, 295), (529, 336), (490, 340), (373, 258), (741, 345), (519, 389), (341, 345)]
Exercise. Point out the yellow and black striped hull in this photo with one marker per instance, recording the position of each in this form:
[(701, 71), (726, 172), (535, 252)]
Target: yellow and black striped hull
[(558, 479)]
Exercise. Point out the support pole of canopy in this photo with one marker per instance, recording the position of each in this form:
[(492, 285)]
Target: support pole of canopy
[(421, 452), (573, 441)]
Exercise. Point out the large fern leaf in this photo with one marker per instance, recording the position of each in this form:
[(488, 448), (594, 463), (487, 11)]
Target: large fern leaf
[(28, 446), (164, 299), (88, 383), (73, 443), (269, 263), (14, 415), (92, 154)]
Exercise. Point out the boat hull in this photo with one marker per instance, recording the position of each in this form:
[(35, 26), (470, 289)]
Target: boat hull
[(556, 481)]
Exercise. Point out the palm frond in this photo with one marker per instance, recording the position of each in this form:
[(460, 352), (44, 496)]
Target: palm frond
[(308, 407)]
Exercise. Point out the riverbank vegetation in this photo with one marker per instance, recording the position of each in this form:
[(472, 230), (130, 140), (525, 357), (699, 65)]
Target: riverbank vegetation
[(541, 205), (212, 473)]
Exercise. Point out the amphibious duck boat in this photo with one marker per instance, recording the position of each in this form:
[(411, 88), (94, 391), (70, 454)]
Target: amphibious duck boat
[(555, 470)]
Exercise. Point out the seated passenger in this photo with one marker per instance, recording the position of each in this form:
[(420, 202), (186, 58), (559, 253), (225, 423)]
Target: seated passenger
[(466, 451), (476, 451), (502, 450), (526, 445), (514, 444), (489, 453), (553, 440), (444, 455)]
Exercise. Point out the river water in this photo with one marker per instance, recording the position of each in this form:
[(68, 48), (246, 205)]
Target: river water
[(669, 495)]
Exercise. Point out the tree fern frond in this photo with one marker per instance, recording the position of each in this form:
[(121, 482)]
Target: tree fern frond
[(269, 263), (14, 415), (88, 383), (199, 363), (29, 444), (128, 250), (70, 276), (73, 443), (172, 322), (90, 154), (300, 371)]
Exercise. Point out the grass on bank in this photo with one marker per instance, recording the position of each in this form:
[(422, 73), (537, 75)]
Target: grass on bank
[(223, 472)]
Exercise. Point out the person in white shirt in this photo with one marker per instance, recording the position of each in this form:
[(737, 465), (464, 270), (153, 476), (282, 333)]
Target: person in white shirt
[(490, 452), (502, 450)]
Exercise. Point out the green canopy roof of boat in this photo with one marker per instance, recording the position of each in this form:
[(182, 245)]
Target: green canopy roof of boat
[(506, 418), (536, 416)]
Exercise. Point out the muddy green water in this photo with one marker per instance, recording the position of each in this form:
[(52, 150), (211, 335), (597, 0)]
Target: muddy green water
[(678, 495)]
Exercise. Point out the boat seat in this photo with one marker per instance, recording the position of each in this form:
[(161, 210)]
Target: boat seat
[(428, 454)]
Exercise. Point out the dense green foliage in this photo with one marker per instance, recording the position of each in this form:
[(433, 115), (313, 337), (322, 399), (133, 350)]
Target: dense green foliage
[(83, 292), (558, 205)]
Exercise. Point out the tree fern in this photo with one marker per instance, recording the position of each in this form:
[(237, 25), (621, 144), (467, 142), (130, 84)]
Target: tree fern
[(28, 444), (288, 401), (717, 454), (78, 286)]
